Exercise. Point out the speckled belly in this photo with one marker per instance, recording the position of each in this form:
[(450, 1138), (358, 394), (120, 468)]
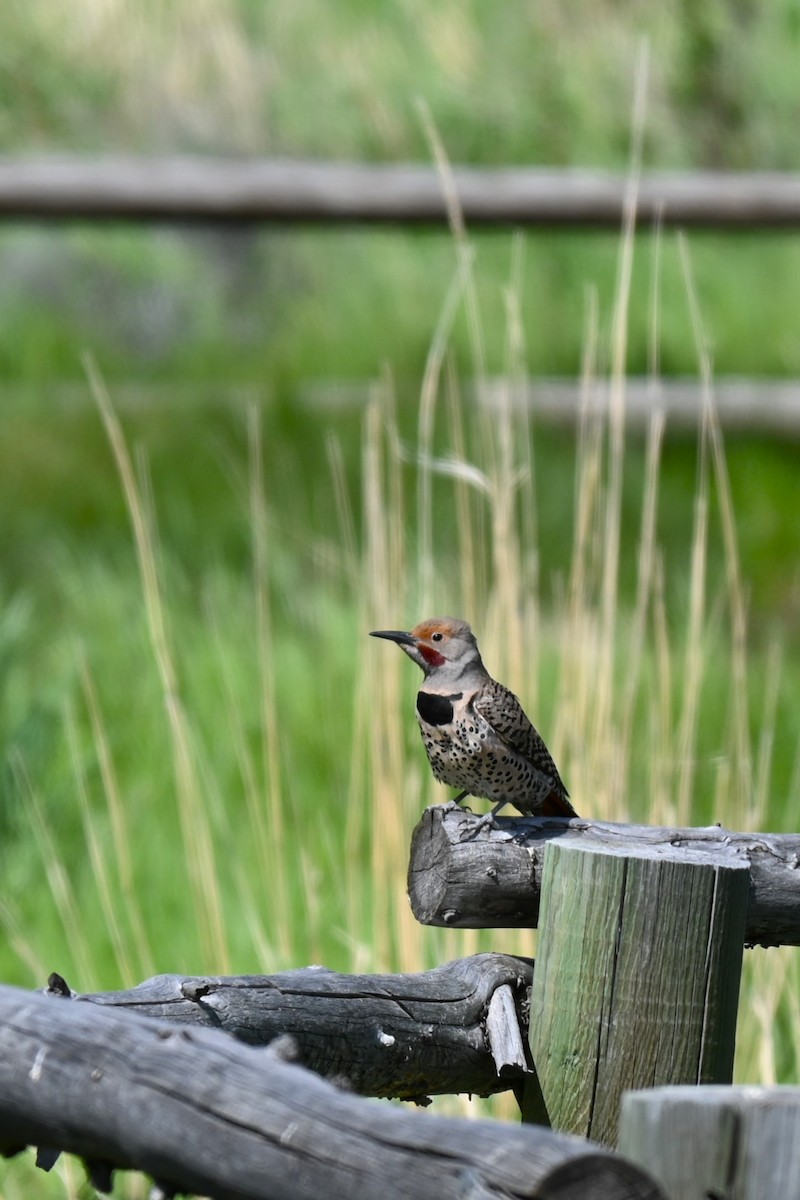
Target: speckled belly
[(467, 754)]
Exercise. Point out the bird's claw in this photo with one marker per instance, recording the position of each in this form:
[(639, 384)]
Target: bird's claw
[(487, 821), (456, 806)]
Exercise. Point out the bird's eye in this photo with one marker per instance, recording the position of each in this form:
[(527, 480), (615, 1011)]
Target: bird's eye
[(436, 637)]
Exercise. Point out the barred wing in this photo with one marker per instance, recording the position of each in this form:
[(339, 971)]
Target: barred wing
[(501, 708)]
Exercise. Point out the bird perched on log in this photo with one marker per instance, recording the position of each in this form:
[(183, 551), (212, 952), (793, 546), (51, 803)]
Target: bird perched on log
[(475, 731)]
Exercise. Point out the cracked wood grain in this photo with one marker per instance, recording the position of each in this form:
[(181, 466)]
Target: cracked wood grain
[(406, 1036)]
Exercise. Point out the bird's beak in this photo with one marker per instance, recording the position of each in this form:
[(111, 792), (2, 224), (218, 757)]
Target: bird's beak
[(395, 635)]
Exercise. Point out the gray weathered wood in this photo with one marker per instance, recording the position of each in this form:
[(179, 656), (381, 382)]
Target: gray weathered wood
[(201, 1112), (494, 880), (637, 978), (740, 1143), (503, 1031), (236, 190), (768, 405), (771, 405), (740, 404), (406, 1036)]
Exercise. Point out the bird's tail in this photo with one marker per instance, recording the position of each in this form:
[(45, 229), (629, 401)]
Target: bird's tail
[(557, 805)]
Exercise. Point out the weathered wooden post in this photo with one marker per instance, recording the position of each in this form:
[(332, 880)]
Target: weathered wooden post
[(636, 981), (736, 1143)]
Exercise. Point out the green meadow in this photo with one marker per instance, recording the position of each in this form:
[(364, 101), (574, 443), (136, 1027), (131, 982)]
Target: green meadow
[(226, 456)]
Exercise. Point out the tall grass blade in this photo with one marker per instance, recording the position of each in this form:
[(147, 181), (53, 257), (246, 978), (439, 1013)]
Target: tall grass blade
[(198, 843)]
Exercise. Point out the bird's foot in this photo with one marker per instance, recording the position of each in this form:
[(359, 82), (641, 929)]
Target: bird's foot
[(487, 821), (457, 803), (455, 806)]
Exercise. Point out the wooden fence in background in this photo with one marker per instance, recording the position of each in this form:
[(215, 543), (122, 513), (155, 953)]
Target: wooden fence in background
[(291, 191), (246, 192), (768, 406)]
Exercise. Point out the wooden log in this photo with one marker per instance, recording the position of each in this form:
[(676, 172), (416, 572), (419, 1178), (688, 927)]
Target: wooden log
[(203, 1113), (637, 978), (493, 881), (770, 406), (461, 1027), (740, 404), (716, 1141), (247, 190)]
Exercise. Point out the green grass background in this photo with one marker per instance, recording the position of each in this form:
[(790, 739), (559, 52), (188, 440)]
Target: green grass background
[(263, 820)]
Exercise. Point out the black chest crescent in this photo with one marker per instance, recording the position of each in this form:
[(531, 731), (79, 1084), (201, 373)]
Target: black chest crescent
[(436, 710)]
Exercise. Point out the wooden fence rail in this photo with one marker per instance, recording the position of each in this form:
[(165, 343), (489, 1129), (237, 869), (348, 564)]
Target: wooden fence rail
[(767, 406), (461, 1027), (235, 190), (495, 880), (200, 1112)]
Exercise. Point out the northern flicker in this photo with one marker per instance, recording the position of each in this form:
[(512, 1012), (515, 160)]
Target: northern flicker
[(476, 734)]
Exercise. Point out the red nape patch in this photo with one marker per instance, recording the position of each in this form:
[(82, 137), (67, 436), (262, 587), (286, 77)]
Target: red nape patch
[(431, 656)]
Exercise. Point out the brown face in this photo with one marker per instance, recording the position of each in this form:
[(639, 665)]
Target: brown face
[(429, 642), (432, 638), (446, 637), (439, 629)]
